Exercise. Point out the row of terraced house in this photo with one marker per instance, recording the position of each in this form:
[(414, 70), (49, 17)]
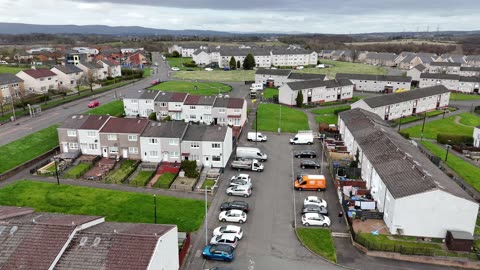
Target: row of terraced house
[(145, 140)]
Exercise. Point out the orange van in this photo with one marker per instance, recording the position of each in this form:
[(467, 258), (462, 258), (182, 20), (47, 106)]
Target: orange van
[(311, 182)]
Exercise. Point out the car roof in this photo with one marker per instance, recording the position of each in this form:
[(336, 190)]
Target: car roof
[(311, 215), (230, 237), (232, 227), (235, 211), (312, 198), (243, 174), (222, 247)]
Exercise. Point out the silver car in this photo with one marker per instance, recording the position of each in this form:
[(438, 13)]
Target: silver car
[(244, 191)]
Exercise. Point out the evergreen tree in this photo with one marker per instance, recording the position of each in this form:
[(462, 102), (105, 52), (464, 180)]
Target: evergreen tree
[(249, 62), (238, 64), (232, 64), (299, 99)]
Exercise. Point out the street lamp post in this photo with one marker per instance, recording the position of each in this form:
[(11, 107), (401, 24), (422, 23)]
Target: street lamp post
[(206, 217), (256, 125), (424, 118), (400, 123), (56, 170), (280, 120), (155, 208), (448, 148)]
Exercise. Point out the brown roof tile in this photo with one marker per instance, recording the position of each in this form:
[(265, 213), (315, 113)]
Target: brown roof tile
[(236, 103), (178, 97), (13, 211), (125, 125), (95, 122), (39, 73)]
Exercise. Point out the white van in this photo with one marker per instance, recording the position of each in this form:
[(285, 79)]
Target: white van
[(302, 138), (256, 137), (250, 153), (256, 86)]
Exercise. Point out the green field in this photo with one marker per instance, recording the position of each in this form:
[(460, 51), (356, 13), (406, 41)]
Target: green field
[(327, 115), (203, 88), (270, 92), (142, 178), (27, 148), (319, 241), (292, 120), (217, 75), (467, 171), (208, 183), (117, 206), (114, 108), (165, 180), (8, 69), (446, 126), (344, 67), (178, 62), (460, 96), (146, 72)]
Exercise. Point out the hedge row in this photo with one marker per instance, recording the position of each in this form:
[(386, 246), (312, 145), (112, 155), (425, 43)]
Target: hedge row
[(454, 139)]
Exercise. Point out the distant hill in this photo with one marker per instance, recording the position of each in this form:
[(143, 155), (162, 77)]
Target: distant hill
[(21, 28)]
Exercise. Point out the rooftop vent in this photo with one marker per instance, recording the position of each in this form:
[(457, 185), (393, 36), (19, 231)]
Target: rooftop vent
[(2, 228), (13, 230), (73, 117), (96, 241), (83, 241), (81, 116)]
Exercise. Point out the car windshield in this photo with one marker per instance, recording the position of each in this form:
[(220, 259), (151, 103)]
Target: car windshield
[(222, 229)]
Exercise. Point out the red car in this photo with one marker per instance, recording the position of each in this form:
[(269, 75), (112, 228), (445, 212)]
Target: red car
[(155, 82), (93, 104)]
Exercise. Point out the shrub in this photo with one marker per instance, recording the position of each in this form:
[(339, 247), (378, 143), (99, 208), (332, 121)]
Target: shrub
[(153, 116), (406, 135), (454, 139), (175, 54), (190, 168), (190, 64), (299, 99)]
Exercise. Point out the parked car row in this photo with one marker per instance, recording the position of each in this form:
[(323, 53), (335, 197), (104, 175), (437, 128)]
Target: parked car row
[(314, 212)]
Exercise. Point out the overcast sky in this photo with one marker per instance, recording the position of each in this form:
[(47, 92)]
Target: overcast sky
[(314, 16)]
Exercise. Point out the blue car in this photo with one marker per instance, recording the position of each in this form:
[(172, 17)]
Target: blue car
[(219, 253)]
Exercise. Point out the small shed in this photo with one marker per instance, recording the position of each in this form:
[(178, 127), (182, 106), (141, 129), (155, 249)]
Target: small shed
[(459, 241)]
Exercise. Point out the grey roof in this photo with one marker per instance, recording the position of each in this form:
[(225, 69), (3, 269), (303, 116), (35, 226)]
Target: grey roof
[(382, 56), (306, 76), (470, 69), (68, 69), (88, 65), (439, 76), (426, 59), (469, 79), (8, 78), (221, 102), (170, 129), (276, 72), (401, 166), (199, 100), (383, 100), (164, 96), (368, 77), (300, 85), (445, 64), (235, 51), (75, 121), (408, 58), (281, 51), (206, 133), (472, 58), (149, 94), (134, 94), (461, 235), (420, 67)]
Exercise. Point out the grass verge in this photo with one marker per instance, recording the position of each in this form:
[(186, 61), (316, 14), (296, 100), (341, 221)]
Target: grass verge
[(114, 108), (292, 120), (27, 148), (460, 96), (447, 126), (344, 67), (203, 88), (165, 180), (467, 171), (77, 171), (208, 183), (217, 75), (270, 92), (319, 241), (117, 206)]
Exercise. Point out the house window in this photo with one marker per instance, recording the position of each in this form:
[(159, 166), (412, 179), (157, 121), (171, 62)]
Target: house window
[(153, 141), (113, 149), (222, 110), (238, 110), (193, 116), (49, 78), (174, 154), (132, 138), (133, 150), (163, 104), (236, 122), (215, 145), (215, 158), (92, 146), (173, 142), (73, 146), (42, 79), (112, 137), (43, 88), (193, 107), (71, 82), (148, 101), (153, 153), (91, 133), (194, 145), (195, 157), (71, 133), (221, 120), (134, 101)]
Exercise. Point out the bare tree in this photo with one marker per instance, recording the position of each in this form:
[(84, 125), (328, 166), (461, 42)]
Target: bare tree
[(89, 79)]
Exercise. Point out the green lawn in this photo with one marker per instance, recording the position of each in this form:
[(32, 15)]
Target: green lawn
[(447, 126), (467, 171), (114, 108), (345, 67), (327, 115), (217, 75), (165, 180), (334, 103), (146, 72), (116, 176), (142, 178), (178, 62), (8, 69), (209, 183), (329, 119), (330, 110), (77, 171), (292, 120), (27, 148), (118, 206), (319, 241), (203, 88), (460, 96), (270, 92), (413, 118)]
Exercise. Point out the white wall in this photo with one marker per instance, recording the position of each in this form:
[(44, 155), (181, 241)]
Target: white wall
[(40, 85), (431, 214), (476, 136), (68, 81), (450, 84), (84, 141), (131, 106), (203, 58), (165, 256), (146, 107), (201, 113), (146, 147)]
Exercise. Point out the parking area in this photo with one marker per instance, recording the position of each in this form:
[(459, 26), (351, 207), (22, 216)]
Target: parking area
[(269, 240)]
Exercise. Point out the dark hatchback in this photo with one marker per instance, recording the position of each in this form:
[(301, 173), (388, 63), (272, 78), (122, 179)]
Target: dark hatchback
[(305, 154), (237, 205), (309, 164)]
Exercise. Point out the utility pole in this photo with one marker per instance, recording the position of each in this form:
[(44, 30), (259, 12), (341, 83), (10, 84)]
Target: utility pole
[(280, 121), (423, 125), (56, 170), (256, 125), (206, 217), (155, 208)]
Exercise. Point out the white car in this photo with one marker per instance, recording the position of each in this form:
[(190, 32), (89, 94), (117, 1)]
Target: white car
[(226, 239), (300, 67), (315, 219), (242, 190), (314, 200), (208, 69), (242, 176), (320, 66), (233, 216), (175, 69), (240, 182), (229, 229)]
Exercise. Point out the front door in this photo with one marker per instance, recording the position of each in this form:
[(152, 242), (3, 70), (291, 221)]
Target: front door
[(65, 148), (125, 153), (105, 152), (165, 156), (206, 162)]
